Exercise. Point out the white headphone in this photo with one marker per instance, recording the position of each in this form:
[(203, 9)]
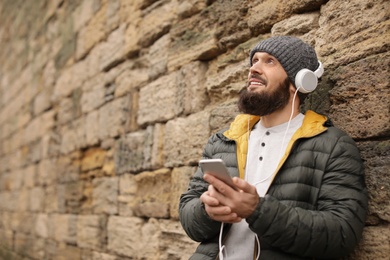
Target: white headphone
[(306, 80)]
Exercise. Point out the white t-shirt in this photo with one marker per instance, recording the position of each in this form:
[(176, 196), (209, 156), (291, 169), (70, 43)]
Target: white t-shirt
[(266, 147)]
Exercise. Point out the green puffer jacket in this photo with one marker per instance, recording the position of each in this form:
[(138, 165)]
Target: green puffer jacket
[(315, 207)]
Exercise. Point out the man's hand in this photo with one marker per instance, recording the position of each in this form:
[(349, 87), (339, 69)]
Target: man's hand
[(225, 204)]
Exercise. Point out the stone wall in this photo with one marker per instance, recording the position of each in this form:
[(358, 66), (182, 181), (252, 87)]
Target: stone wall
[(105, 106)]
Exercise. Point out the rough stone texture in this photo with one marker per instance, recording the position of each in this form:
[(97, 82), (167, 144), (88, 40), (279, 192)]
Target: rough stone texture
[(106, 105)]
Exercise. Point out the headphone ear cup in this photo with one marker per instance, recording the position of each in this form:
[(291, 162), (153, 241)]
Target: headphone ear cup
[(306, 81)]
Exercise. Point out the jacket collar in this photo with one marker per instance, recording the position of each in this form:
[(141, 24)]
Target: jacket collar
[(312, 125)]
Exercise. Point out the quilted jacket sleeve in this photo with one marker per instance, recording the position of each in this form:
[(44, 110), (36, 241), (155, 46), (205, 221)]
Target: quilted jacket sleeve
[(193, 217), (334, 225)]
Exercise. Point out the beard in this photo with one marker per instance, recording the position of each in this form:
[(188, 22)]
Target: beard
[(264, 103)]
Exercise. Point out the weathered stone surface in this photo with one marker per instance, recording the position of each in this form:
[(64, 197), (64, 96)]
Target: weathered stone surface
[(46, 172), (124, 235), (92, 33), (93, 159), (105, 195), (361, 94), (158, 101), (127, 195), (158, 56), (113, 50), (374, 245), (222, 115), (112, 117), (182, 248), (188, 134), (264, 14), (90, 232), (345, 37), (153, 193), (376, 156), (37, 196), (296, 24), (63, 228), (179, 182), (93, 94), (98, 96), (73, 136), (42, 225)]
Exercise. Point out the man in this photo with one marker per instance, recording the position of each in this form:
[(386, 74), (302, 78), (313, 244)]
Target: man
[(300, 183)]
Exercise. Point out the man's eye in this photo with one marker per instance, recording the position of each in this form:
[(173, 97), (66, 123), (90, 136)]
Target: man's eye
[(254, 61), (270, 61)]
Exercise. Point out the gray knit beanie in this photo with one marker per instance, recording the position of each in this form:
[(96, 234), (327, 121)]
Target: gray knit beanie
[(292, 53)]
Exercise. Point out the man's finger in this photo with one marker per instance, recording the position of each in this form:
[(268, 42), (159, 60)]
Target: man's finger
[(221, 186), (244, 186)]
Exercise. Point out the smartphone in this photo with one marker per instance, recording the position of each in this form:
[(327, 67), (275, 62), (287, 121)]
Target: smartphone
[(217, 168)]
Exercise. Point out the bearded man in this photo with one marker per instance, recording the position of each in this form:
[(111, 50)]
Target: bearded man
[(299, 183)]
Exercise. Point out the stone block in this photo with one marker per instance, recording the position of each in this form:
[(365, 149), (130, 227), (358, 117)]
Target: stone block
[(112, 117), (158, 101), (64, 85), (127, 194), (261, 21), (158, 56), (153, 194), (73, 136), (113, 51), (37, 198), (174, 242), (93, 158), (130, 80), (29, 176), (188, 134), (103, 256), (68, 167), (63, 228), (226, 82), (190, 42), (113, 19), (6, 238), (296, 24), (179, 183), (189, 8), (367, 27), (14, 180), (23, 244), (55, 200), (91, 231), (105, 195), (92, 33), (181, 92), (39, 126), (192, 94), (93, 94), (375, 155), (42, 101), (46, 172), (360, 94), (223, 115), (83, 14), (23, 200), (139, 150), (23, 222), (92, 128), (42, 225), (373, 244), (156, 21), (66, 252), (138, 239)]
